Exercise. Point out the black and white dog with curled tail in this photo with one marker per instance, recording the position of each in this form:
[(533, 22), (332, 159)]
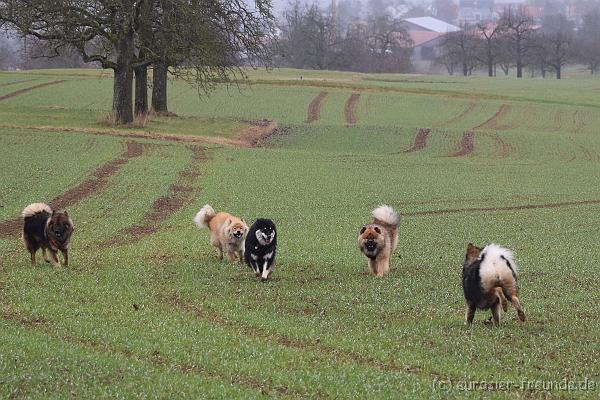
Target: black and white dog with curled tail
[(260, 245)]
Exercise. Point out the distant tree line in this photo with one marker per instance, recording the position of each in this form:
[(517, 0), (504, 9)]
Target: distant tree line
[(516, 42), (312, 38), (201, 41)]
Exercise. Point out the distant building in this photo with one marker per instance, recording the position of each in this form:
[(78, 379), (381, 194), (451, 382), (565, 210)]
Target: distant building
[(426, 34), (425, 45), (474, 11), (429, 24)]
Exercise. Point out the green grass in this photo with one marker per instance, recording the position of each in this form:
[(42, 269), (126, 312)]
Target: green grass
[(163, 317)]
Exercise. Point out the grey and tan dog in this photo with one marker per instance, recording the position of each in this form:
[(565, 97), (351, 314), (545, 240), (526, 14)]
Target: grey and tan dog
[(48, 230)]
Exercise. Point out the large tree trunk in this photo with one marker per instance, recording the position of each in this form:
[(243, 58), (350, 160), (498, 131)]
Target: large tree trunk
[(123, 85), (159, 87), (558, 71), (141, 91), (465, 69)]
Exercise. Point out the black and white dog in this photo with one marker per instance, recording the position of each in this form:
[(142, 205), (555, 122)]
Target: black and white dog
[(260, 245)]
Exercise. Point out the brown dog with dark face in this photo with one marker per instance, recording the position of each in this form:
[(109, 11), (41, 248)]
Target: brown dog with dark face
[(378, 240), (48, 230)]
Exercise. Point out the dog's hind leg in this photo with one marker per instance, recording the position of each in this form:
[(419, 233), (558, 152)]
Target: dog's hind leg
[(470, 313), (45, 253), (502, 299), (496, 313), (511, 293), (515, 302), (32, 252), (65, 254)]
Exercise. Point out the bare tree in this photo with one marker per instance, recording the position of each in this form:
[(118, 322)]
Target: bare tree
[(557, 41), (489, 46), (519, 28), (459, 49), (389, 44), (588, 41), (102, 31)]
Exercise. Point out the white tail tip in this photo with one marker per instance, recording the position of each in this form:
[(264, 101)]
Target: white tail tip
[(387, 215)]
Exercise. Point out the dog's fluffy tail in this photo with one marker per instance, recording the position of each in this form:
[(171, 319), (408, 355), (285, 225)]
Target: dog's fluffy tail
[(204, 216), (36, 208), (387, 216), (498, 267)]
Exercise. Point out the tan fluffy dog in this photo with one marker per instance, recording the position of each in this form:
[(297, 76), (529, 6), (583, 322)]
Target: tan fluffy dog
[(378, 240), (227, 233)]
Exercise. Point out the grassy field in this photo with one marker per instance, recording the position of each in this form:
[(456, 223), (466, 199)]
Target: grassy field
[(146, 310)]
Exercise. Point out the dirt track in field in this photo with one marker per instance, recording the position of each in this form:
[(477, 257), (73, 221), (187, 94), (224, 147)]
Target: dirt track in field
[(94, 184), (420, 141), (29, 89), (492, 123), (466, 145), (180, 193), (17, 82), (314, 108), (509, 208), (251, 136), (468, 110), (350, 109), (467, 142)]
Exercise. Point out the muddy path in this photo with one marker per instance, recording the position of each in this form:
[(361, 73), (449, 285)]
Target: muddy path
[(314, 108), (94, 184), (420, 141), (29, 89), (253, 135), (350, 109), (465, 146), (180, 194)]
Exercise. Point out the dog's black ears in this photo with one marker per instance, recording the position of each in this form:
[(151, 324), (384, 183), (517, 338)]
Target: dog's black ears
[(378, 230), (364, 228)]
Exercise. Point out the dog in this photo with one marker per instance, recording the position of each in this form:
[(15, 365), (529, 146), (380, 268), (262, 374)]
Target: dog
[(227, 233), (260, 246), (49, 230), (489, 278), (379, 240)]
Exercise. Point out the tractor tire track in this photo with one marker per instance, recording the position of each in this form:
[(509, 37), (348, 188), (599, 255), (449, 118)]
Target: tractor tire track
[(492, 122), (42, 325), (466, 145), (17, 82), (29, 89), (350, 109), (498, 209), (468, 110), (314, 108), (93, 185), (467, 142), (180, 193), (206, 313), (420, 141)]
